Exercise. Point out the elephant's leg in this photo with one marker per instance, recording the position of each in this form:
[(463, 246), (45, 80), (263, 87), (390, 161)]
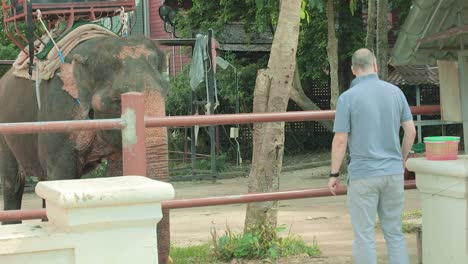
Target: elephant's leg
[(60, 156), (13, 180)]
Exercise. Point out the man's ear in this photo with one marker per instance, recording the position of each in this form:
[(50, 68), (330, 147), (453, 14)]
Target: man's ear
[(353, 70), (376, 68)]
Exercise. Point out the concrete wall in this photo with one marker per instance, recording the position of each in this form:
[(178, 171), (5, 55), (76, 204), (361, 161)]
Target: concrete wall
[(444, 197), (106, 220)]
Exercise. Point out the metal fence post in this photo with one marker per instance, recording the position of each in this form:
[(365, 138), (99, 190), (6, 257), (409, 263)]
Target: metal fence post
[(133, 135)]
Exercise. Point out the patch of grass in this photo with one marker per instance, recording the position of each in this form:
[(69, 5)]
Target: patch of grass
[(410, 221), (293, 246), (193, 255), (412, 215), (262, 243)]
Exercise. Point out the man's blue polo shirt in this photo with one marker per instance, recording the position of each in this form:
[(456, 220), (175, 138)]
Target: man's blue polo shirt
[(371, 111)]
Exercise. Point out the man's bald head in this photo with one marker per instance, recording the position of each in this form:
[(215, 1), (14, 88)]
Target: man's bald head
[(364, 61)]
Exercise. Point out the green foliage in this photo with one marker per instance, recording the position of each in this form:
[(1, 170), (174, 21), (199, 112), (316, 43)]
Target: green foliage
[(264, 243), (317, 4), (193, 254), (403, 6), (221, 163), (99, 172), (178, 102), (353, 4), (304, 13), (8, 50), (295, 246)]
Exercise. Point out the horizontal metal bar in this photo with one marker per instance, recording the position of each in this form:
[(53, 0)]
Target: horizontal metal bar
[(259, 197), (201, 120), (18, 215), (176, 42), (6, 62), (61, 126)]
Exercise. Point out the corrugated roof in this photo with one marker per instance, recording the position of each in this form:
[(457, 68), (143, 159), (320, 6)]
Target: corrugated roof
[(236, 33), (414, 75), (426, 20)]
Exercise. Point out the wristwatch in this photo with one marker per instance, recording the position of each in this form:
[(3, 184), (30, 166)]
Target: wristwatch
[(334, 174)]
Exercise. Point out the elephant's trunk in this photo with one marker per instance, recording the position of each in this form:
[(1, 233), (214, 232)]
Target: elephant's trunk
[(158, 163)]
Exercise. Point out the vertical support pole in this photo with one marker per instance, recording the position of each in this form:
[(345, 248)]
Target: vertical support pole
[(418, 117), (218, 146), (185, 146), (133, 135), (193, 148), (211, 90), (463, 72)]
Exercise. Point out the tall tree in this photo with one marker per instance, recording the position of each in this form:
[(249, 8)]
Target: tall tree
[(332, 51), (271, 94), (371, 24), (299, 97), (382, 38)]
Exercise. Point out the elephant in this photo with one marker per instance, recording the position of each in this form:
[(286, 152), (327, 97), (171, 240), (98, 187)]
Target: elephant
[(87, 86)]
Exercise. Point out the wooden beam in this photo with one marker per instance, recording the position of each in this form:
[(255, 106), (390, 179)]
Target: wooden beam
[(453, 32)]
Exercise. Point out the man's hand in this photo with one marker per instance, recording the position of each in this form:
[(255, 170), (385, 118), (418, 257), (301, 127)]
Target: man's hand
[(333, 184)]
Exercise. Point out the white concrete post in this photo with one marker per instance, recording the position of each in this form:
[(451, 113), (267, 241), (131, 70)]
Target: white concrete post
[(444, 188), (105, 220)]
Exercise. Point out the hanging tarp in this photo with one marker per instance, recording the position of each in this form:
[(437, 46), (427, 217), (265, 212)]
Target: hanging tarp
[(197, 67)]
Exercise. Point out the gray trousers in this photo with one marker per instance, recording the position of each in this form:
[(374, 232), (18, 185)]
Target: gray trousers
[(367, 197)]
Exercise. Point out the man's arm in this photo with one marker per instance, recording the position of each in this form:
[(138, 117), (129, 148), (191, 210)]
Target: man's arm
[(408, 139), (340, 142)]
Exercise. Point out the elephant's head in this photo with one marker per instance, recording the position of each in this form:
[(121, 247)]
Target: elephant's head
[(102, 69)]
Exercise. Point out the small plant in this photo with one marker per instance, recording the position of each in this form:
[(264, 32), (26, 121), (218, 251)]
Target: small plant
[(98, 172), (264, 243), (295, 246), (193, 254)]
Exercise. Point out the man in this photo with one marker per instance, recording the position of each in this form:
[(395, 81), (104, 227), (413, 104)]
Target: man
[(368, 119)]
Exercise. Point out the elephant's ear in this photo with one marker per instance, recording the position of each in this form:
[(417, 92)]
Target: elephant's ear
[(67, 70)]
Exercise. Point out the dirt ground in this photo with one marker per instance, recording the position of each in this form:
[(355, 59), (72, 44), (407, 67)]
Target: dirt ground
[(325, 220)]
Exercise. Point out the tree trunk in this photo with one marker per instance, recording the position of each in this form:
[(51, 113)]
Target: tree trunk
[(301, 99), (371, 27), (332, 52), (271, 94), (382, 38)]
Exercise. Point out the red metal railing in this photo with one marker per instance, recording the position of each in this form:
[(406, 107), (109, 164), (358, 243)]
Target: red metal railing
[(17, 215), (134, 153), (204, 120)]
